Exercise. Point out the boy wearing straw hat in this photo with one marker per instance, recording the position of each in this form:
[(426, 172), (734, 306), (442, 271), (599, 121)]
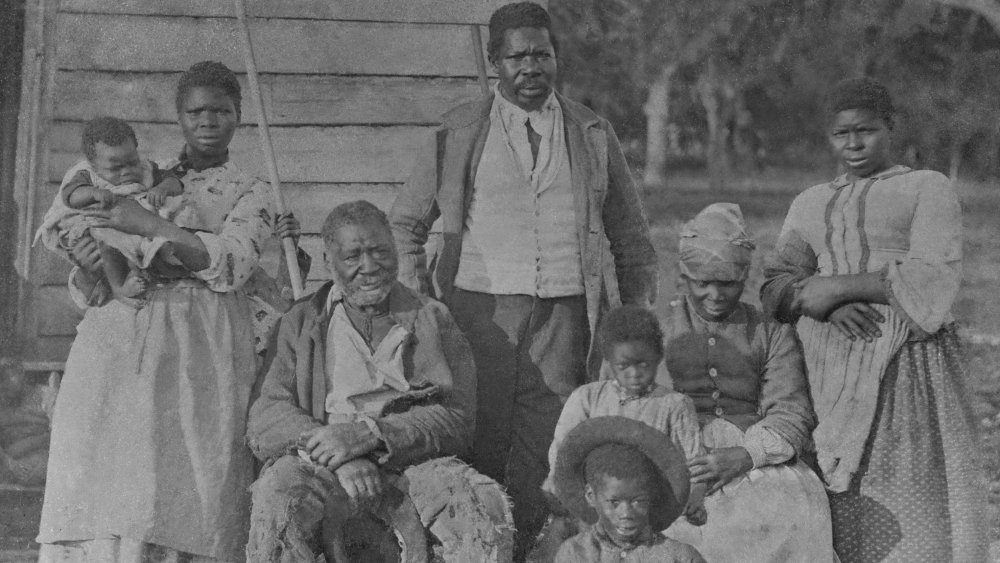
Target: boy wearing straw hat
[(626, 479)]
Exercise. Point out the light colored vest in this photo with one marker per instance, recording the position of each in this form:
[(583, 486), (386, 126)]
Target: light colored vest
[(519, 239)]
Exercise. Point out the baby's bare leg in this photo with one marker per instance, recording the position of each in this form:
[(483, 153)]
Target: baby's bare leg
[(124, 282)]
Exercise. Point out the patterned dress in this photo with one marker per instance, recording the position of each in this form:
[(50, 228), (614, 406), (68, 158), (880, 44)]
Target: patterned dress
[(894, 434), (745, 376), (148, 460)]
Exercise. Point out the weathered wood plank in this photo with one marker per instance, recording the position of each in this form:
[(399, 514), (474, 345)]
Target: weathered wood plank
[(57, 315), (437, 11), (157, 43), (288, 99), (49, 348), (311, 203), (48, 268), (304, 154)]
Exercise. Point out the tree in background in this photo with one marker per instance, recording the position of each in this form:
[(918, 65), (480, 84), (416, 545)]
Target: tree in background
[(747, 77)]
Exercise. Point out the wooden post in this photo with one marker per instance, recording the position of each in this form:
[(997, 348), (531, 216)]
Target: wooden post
[(294, 275), (38, 77), (479, 56)]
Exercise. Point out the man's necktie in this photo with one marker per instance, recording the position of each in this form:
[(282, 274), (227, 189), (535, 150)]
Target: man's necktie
[(534, 139)]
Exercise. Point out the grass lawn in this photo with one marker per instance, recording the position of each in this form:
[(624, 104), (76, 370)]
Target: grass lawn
[(765, 199)]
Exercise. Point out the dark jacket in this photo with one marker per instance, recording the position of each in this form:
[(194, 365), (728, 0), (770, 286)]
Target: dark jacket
[(293, 394)]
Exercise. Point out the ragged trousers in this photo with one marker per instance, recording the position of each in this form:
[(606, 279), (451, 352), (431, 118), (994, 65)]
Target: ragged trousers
[(467, 512)]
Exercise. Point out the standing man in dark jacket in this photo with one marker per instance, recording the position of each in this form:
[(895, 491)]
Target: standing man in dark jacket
[(542, 230)]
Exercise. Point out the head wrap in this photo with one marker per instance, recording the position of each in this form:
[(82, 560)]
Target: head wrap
[(861, 93), (716, 246)]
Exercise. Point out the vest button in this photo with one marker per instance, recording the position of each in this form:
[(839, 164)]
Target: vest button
[(713, 372), (716, 394), (719, 411), (711, 341)]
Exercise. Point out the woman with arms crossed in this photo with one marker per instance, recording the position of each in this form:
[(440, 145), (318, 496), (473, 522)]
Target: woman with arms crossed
[(868, 266)]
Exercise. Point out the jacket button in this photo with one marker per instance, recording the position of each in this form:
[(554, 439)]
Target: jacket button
[(711, 341), (719, 411), (713, 372), (716, 394)]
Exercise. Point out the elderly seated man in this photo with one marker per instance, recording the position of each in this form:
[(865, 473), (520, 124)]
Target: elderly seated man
[(369, 391)]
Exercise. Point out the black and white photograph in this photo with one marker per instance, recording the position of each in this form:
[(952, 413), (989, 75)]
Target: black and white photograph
[(463, 281)]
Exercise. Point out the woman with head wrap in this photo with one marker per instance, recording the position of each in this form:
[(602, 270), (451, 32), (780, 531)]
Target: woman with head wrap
[(867, 266), (745, 374)]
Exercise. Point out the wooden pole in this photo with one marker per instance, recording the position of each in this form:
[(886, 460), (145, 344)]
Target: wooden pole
[(478, 55), (294, 275)]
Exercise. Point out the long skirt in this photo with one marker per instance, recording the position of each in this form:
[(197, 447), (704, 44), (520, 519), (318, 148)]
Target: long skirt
[(148, 431), (774, 513), (919, 494)]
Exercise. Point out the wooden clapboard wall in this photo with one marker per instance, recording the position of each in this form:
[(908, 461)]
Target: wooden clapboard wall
[(350, 87)]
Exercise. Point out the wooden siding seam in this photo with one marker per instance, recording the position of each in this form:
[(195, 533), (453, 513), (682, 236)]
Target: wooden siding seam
[(252, 17), (247, 126)]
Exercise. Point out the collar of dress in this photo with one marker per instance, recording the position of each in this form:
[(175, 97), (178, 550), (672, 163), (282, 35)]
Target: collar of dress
[(184, 162), (842, 180), (647, 538)]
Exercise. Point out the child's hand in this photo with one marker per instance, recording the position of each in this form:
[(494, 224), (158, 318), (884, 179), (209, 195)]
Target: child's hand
[(106, 199), (158, 194)]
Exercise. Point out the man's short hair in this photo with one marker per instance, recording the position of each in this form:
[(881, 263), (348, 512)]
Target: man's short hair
[(108, 130), (352, 213), (513, 16)]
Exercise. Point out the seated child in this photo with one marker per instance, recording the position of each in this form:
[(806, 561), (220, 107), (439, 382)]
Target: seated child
[(632, 342), (112, 171), (626, 479)]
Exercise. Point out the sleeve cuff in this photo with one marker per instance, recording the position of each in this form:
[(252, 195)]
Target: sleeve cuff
[(885, 274), (757, 453), (214, 248)]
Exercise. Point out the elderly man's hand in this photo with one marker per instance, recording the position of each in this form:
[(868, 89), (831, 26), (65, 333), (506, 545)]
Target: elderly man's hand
[(361, 479), (335, 444)]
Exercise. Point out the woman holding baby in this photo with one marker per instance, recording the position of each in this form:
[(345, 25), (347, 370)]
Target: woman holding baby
[(148, 461)]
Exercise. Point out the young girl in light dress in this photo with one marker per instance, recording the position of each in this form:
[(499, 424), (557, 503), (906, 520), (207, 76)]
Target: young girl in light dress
[(632, 342)]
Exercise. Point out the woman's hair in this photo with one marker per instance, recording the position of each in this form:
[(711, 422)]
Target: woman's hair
[(630, 323), (621, 462), (513, 16), (209, 74), (108, 130), (861, 93)]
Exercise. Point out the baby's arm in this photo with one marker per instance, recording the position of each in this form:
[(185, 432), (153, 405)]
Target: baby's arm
[(165, 184), (80, 192)]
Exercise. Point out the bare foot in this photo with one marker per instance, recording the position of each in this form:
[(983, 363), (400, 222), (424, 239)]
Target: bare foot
[(133, 286)]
